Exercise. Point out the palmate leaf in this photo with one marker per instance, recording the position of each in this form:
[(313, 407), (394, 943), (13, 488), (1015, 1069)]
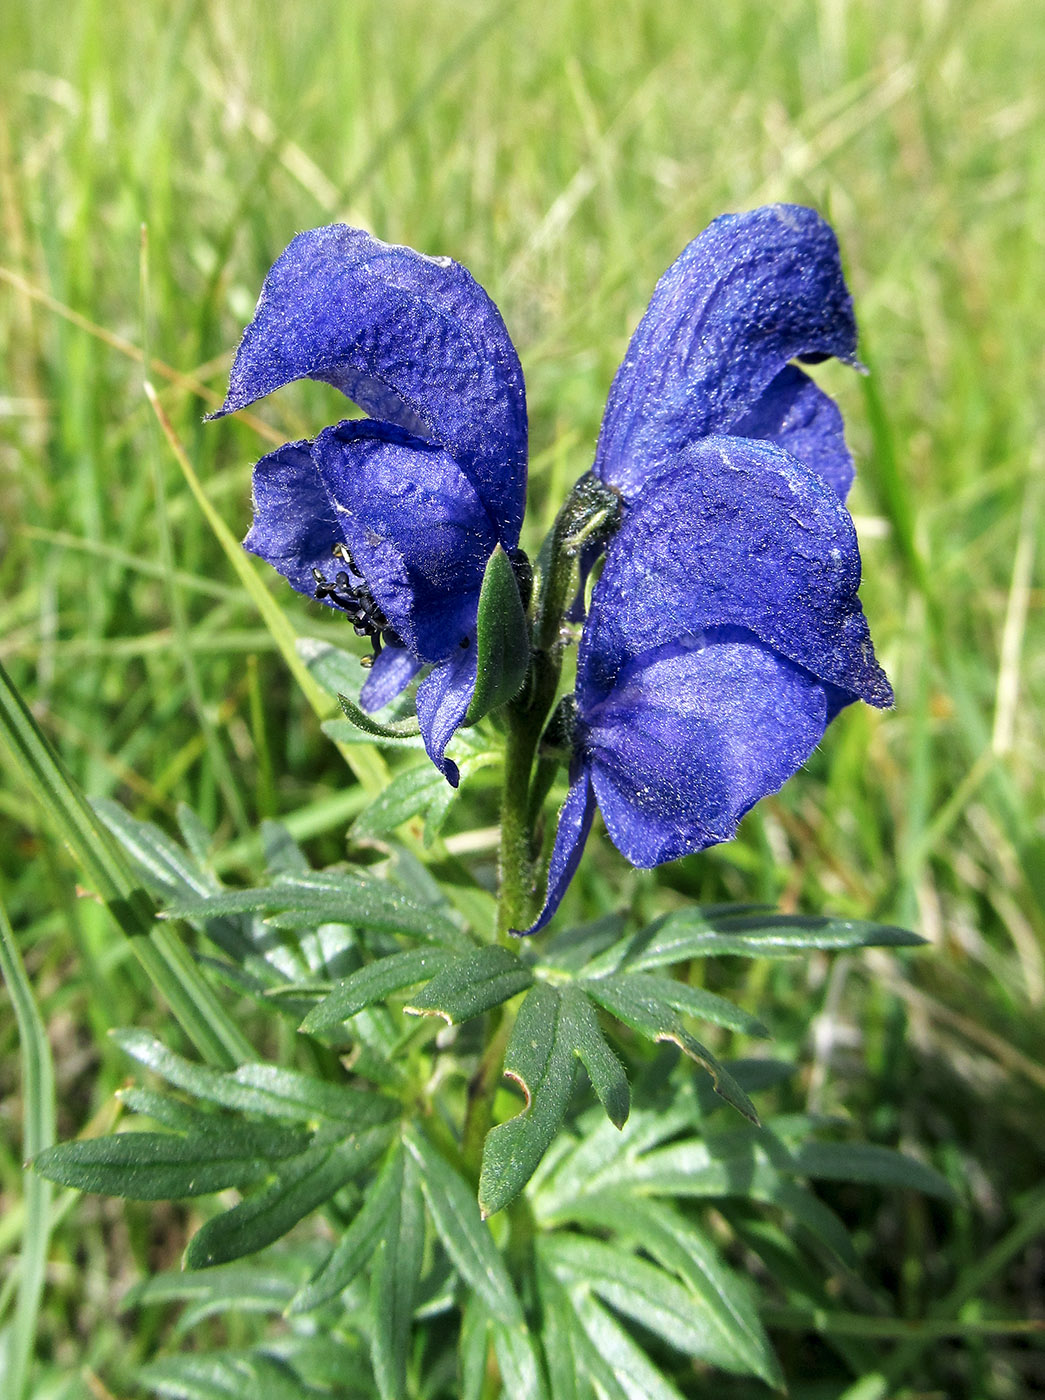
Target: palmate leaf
[(473, 984), (260, 1088), (555, 1027), (643, 1292), (639, 1002), (300, 1186), (360, 1240), (374, 983)]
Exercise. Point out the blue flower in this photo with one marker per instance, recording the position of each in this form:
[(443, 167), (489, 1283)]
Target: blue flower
[(725, 632), (391, 518)]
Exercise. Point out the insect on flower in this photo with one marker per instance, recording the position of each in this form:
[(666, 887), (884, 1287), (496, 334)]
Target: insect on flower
[(414, 499)]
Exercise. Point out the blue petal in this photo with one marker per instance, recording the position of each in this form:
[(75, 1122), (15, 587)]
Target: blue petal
[(575, 819), (413, 340), (752, 292), (693, 735), (417, 531), (797, 416), (393, 670), (443, 698), (734, 533), (295, 525)]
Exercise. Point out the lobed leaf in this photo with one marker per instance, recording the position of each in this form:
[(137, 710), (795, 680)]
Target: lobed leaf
[(300, 1186), (581, 1027), (721, 1299), (374, 983), (363, 902), (359, 1241), (467, 1240), (640, 1006), (473, 984), (612, 1352), (226, 1376), (643, 1292), (540, 1057)]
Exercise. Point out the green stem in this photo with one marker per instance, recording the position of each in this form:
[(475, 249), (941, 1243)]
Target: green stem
[(164, 957), (517, 855), (590, 510)]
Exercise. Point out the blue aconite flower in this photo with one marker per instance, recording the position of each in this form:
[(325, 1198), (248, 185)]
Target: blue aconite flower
[(391, 518), (725, 632)]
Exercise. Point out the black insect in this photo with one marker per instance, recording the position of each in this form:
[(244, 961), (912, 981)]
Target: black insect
[(351, 593)]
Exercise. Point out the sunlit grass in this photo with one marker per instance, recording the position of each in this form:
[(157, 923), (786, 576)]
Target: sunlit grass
[(565, 154)]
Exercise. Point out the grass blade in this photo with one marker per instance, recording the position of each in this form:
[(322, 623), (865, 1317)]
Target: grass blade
[(38, 1134)]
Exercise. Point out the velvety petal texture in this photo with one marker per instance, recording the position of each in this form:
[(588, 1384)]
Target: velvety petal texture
[(692, 736), (734, 533), (725, 632), (413, 340), (752, 292), (794, 414), (443, 698), (391, 519)]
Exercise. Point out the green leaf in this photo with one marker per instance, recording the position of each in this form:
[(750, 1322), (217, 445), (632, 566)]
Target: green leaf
[(644, 1292), (259, 1088), (581, 1026), (611, 1350), (467, 1240), (345, 731), (694, 1001), (694, 933), (225, 1376), (166, 962), (540, 1058), (520, 1366), (359, 1241), (473, 984), (473, 1348), (396, 731), (165, 1167), (393, 1280), (301, 1185), (225, 1288), (866, 1163), (363, 902), (374, 983), (502, 639), (405, 796), (566, 1346), (632, 1001), (721, 1300)]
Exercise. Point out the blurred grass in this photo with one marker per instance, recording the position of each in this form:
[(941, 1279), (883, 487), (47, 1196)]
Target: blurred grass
[(565, 154)]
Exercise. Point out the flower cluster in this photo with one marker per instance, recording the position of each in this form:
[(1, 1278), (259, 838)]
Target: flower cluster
[(725, 631)]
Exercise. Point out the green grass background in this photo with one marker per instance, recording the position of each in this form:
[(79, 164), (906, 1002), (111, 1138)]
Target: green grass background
[(565, 153)]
